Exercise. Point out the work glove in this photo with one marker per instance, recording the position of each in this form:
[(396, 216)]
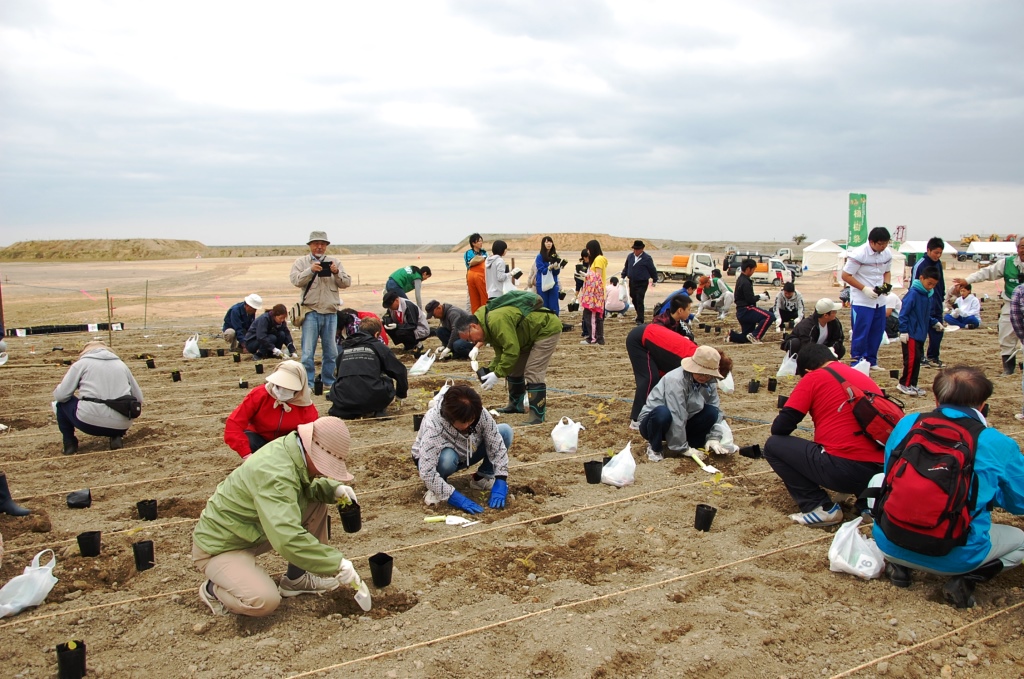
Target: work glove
[(276, 352), (904, 337), (474, 352), (347, 574), (445, 353), (460, 501), (489, 380), (715, 447), (345, 491), (499, 491), (391, 326), (869, 293), (295, 355), (938, 327), (778, 325)]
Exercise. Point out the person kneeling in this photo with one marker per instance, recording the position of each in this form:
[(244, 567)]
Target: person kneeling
[(684, 409), (822, 327), (369, 376), (268, 333), (277, 499), (457, 434)]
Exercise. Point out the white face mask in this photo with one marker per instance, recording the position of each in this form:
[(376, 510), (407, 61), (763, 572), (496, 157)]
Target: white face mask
[(283, 394)]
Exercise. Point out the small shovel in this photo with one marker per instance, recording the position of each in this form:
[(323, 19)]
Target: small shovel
[(450, 520), (700, 463)]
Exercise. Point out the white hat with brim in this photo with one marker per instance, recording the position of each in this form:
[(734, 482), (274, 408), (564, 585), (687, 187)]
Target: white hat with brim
[(704, 362), (326, 442), (825, 306), (254, 300), (318, 235), (290, 375)]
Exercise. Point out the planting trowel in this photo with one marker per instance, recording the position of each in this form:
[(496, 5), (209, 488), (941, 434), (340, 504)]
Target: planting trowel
[(450, 520), (700, 463)]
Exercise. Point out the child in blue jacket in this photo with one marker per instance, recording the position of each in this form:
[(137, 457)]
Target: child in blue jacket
[(915, 320)]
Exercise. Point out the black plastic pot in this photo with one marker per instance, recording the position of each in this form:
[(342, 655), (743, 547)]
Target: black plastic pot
[(381, 566), (351, 517), (593, 471), (146, 509), (704, 516), (143, 552), (89, 543), (71, 660)]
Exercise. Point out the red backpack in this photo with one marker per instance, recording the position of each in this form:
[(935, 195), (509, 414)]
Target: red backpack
[(927, 497), (876, 414)]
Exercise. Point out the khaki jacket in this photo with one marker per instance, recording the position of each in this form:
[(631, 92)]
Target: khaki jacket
[(323, 296)]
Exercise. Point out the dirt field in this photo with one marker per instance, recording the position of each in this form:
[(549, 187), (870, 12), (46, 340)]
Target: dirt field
[(570, 580)]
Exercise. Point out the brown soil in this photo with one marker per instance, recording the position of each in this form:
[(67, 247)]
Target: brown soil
[(570, 580)]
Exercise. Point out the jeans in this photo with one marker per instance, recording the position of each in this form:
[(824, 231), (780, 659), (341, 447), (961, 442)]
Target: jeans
[(449, 461), (321, 327), (461, 347), (392, 286), (67, 422), (654, 428)]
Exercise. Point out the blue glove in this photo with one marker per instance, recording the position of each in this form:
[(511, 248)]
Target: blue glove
[(460, 501), (498, 493)]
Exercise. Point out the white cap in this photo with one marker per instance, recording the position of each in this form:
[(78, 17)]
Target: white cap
[(825, 305), (254, 300)]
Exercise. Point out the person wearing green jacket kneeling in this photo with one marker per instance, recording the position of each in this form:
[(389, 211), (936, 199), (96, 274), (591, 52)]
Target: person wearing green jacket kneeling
[(277, 499)]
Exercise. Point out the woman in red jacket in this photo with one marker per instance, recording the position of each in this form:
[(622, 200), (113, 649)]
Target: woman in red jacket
[(271, 410)]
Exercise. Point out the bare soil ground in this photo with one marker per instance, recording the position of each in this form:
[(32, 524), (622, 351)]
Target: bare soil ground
[(570, 580)]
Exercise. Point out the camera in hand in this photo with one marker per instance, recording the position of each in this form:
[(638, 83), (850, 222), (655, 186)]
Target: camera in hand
[(325, 268)]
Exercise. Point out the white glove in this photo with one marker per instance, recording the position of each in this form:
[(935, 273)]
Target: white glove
[(345, 491), (778, 325), (473, 353), (295, 356), (938, 327), (444, 353), (347, 575), (904, 337), (869, 293), (277, 352), (715, 447), (391, 326), (489, 380)]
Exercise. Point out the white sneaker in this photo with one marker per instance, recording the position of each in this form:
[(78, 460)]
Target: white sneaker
[(752, 339), (307, 583), (819, 517), (216, 607), (721, 316), (877, 368), (634, 425), (1019, 417), (653, 456), (483, 483), (909, 391), (430, 499), (920, 391)]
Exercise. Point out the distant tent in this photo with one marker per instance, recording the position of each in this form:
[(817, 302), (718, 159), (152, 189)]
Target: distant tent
[(821, 255), (997, 248), (919, 247)]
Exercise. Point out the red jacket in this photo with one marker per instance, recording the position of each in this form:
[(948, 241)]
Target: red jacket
[(256, 413)]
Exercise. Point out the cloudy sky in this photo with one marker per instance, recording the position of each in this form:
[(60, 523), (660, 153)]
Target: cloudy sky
[(236, 122)]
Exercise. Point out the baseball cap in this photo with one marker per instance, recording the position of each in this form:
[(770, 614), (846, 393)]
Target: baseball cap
[(825, 305)]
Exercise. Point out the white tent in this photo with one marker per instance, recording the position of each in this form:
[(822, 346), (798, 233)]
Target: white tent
[(919, 247), (821, 255), (996, 248)]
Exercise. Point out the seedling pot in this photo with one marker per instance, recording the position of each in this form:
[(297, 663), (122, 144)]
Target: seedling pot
[(704, 516), (150, 363), (71, 660), (89, 543), (143, 552), (351, 517), (259, 368), (381, 566), (147, 509), (753, 386), (593, 471), (417, 421), (176, 376), (772, 384)]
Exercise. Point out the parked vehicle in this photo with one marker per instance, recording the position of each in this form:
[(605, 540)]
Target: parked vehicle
[(732, 262), (688, 266), (772, 272), (788, 256), (797, 269)]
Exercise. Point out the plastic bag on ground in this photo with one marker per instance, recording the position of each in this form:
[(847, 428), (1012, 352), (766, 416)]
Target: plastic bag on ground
[(30, 588), (855, 554), (191, 347), (788, 366), (863, 366), (620, 470), (728, 385), (566, 435), (423, 363)]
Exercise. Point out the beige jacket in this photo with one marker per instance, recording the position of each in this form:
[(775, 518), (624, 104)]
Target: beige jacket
[(323, 295)]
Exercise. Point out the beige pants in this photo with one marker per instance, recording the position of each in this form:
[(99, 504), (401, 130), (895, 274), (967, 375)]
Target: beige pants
[(532, 364), (1007, 338), (229, 337), (243, 587)]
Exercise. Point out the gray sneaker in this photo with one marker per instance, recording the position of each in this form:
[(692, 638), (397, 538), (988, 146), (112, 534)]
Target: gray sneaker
[(482, 483), (307, 583), (216, 607), (653, 456)]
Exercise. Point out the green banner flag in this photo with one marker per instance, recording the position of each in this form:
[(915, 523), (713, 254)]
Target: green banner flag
[(858, 233)]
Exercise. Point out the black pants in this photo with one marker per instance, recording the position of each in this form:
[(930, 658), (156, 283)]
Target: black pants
[(793, 344), (787, 315), (806, 470), (404, 336), (637, 293), (265, 348)]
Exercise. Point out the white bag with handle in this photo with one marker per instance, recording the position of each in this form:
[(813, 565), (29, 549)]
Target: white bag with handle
[(547, 281), (620, 470), (855, 554), (439, 396), (566, 435), (191, 347), (30, 588), (863, 366), (423, 363), (788, 366), (727, 385)]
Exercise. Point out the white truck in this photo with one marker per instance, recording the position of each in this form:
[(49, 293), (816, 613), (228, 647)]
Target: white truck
[(773, 272), (684, 267)]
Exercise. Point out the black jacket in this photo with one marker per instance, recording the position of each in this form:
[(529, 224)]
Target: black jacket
[(641, 270), (368, 377), (264, 336), (807, 332), (744, 294)]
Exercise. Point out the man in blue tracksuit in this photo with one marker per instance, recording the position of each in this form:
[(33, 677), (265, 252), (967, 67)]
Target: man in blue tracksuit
[(867, 272), (962, 391), (932, 257)]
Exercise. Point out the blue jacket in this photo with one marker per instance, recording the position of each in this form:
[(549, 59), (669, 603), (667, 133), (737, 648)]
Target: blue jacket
[(641, 270), (916, 314), (940, 290), (999, 467), (239, 320)]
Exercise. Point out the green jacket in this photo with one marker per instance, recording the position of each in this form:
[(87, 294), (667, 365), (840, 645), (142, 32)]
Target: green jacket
[(510, 333), (263, 500), (405, 278)]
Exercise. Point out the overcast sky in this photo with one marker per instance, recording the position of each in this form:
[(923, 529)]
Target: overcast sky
[(250, 122)]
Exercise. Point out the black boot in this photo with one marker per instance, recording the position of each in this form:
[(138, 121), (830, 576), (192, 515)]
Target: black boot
[(959, 590), (899, 576), (1009, 364), (7, 505), (537, 394), (71, 447), (116, 442), (516, 392)]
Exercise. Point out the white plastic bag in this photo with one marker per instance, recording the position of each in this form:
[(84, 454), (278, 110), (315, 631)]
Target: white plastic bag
[(855, 554), (728, 385), (788, 366), (547, 281), (727, 439), (439, 396), (620, 470), (863, 366), (566, 435), (885, 340), (3, 358), (423, 363), (30, 588), (191, 347)]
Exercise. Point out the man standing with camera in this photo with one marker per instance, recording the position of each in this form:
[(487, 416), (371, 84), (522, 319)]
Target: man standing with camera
[(1011, 270), (319, 278)]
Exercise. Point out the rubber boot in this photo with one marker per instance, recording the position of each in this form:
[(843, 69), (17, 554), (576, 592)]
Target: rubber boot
[(959, 590), (1009, 364), (538, 395), (516, 392), (8, 505)]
